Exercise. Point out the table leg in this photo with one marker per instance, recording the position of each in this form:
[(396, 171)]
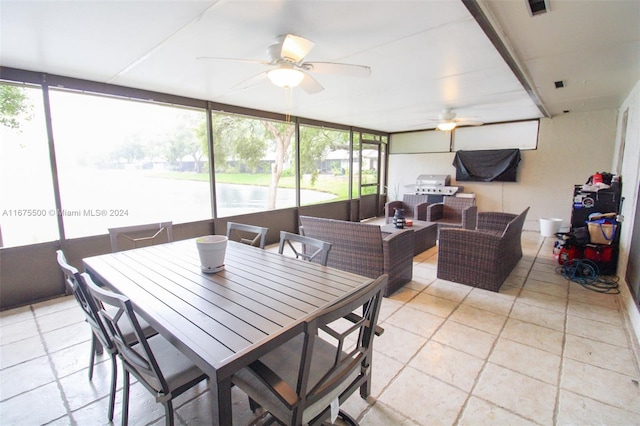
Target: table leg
[(221, 410)]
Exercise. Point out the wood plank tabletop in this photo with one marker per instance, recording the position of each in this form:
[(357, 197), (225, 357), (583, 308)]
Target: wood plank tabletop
[(222, 321)]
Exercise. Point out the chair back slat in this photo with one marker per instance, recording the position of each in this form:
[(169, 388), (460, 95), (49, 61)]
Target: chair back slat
[(247, 234), (311, 249), (130, 237)]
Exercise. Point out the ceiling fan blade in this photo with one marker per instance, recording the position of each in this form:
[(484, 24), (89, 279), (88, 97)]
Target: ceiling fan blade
[(424, 125), (310, 85), (351, 70), (246, 61), (468, 123), (252, 81), (295, 48)]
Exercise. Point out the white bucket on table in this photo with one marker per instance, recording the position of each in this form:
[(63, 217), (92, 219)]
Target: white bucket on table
[(212, 249), (549, 226)]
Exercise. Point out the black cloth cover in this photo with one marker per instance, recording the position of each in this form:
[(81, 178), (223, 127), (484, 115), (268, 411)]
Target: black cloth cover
[(485, 166)]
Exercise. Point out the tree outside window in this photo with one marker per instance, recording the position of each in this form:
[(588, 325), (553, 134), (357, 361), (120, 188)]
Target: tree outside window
[(27, 204)]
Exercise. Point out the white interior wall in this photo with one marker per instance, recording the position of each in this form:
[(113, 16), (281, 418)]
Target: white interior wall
[(571, 147), (630, 181)]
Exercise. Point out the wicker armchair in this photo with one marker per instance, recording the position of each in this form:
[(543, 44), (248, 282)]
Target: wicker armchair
[(454, 212), (482, 258), (361, 249), (414, 205)]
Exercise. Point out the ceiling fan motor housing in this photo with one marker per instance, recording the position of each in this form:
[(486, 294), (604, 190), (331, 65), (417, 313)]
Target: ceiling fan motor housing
[(274, 52), (447, 115)]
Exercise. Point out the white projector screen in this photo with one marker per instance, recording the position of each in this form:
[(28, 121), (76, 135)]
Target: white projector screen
[(420, 142), (521, 135)]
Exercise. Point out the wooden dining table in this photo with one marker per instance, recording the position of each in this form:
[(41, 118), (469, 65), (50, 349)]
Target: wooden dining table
[(222, 321)]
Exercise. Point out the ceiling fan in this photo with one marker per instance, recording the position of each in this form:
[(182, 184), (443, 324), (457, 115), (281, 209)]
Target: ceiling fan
[(447, 121), (287, 68)]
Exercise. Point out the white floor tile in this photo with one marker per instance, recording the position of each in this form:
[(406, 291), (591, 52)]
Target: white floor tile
[(424, 399), (530, 398), (541, 351), (479, 412)]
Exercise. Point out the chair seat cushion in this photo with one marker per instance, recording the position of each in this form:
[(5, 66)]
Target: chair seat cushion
[(491, 232), (284, 361), (177, 369)]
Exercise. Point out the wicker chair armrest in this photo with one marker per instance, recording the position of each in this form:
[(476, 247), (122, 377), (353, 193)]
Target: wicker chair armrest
[(420, 211), (470, 217), (434, 212), (397, 250), (399, 239), (398, 244)]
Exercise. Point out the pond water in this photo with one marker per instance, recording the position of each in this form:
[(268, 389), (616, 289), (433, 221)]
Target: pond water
[(95, 200), (237, 199)]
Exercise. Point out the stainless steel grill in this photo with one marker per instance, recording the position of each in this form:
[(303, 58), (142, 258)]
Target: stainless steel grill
[(436, 184)]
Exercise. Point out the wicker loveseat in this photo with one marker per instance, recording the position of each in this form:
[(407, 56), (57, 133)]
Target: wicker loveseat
[(361, 249), (484, 257)]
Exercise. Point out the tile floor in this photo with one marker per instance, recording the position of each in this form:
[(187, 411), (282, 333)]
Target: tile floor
[(542, 351)]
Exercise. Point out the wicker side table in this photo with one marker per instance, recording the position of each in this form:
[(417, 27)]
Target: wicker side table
[(425, 234)]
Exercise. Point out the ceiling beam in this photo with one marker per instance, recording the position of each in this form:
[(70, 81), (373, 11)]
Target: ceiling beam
[(473, 6)]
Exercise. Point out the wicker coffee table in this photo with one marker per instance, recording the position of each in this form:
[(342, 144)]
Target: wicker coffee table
[(425, 234)]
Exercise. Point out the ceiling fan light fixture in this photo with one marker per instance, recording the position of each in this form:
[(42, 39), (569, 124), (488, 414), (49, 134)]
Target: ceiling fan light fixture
[(447, 126), (285, 77)]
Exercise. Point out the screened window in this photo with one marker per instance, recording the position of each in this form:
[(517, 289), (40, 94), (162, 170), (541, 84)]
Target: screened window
[(324, 164), (27, 204), (123, 162), (372, 165), (355, 188), (254, 164)]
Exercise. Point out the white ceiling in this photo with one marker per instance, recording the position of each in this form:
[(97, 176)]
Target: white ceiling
[(424, 54)]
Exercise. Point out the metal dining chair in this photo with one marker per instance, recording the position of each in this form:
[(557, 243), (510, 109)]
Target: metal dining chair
[(100, 339), (130, 237), (154, 361), (306, 250), (299, 381), (247, 234)]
